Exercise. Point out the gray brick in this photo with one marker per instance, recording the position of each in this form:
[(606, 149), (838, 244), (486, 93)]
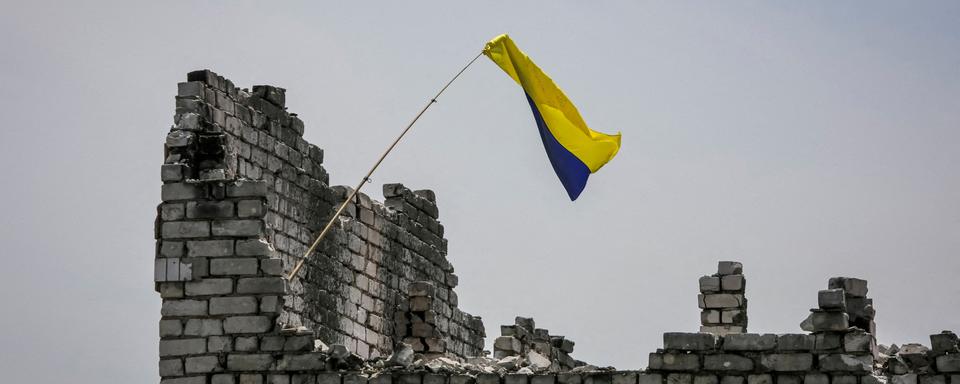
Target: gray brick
[(845, 363), (729, 268), (689, 341), (825, 321), (202, 364), (181, 347), (270, 304), (254, 247), (237, 227), (760, 379), (831, 299), (170, 328), (674, 362), (247, 324), (171, 248), (181, 191), (183, 308), (709, 284), (649, 378), (172, 211), (732, 283), (203, 327), (207, 287), (858, 342), (787, 362), (516, 378), (274, 378), (721, 300), (628, 377), (184, 229), (567, 378), (185, 380), (795, 342), (304, 362), (733, 380), (171, 367), (261, 285), (750, 342), (816, 378), (245, 188), (536, 379), (679, 378), (233, 305), (209, 209), (234, 266), (251, 378), (706, 379), (250, 208), (223, 378), (272, 267), (190, 89), (216, 344), (257, 362), (852, 286), (328, 378), (246, 344), (948, 363), (727, 363)]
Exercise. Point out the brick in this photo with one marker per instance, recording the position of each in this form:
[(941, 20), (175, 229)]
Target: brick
[(270, 304), (202, 364), (185, 380), (948, 363), (172, 211), (209, 209), (183, 308), (795, 342), (679, 378), (649, 378), (825, 321), (184, 229), (706, 379), (233, 305), (246, 344), (250, 208), (816, 378), (246, 188), (750, 342), (909, 378), (845, 363), (247, 324), (254, 247), (721, 300), (190, 89), (513, 378), (237, 227), (171, 367), (171, 248), (627, 377), (859, 342), (787, 362), (733, 380), (272, 267), (261, 285), (709, 284), (217, 344), (207, 287), (251, 378), (851, 286), (933, 379), (674, 362), (181, 347), (536, 379), (234, 266), (256, 362), (832, 299), (789, 379), (732, 283), (181, 191), (203, 327), (760, 379), (328, 378), (729, 268), (689, 341), (170, 328), (727, 363)]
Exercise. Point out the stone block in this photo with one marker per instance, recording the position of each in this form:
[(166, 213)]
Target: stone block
[(246, 344), (249, 362), (202, 364), (819, 321), (465, 379), (859, 342), (275, 378), (709, 284), (948, 363), (171, 367), (674, 362), (304, 362), (729, 268), (183, 308), (299, 343), (944, 342), (237, 227), (787, 362), (181, 191), (846, 363), (211, 209), (185, 380), (203, 327), (851, 286), (832, 299), (237, 305), (218, 344), (727, 363), (181, 347), (760, 379), (795, 342), (482, 378), (250, 208), (513, 378), (689, 341), (733, 380), (262, 285), (816, 378), (569, 378), (386, 378), (356, 378), (909, 378), (873, 379), (750, 342), (650, 378), (507, 343), (247, 188), (722, 330), (536, 379), (254, 247), (270, 304), (933, 379), (234, 266), (421, 288), (706, 379), (721, 300), (679, 378), (184, 229), (207, 287), (329, 378), (789, 379), (844, 379), (251, 378), (827, 342), (247, 324), (171, 328), (710, 316), (733, 316), (272, 343), (732, 283)]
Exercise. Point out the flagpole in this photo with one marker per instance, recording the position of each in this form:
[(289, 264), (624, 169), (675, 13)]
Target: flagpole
[(366, 178)]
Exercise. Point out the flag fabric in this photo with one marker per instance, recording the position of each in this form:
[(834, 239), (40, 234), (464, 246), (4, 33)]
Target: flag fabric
[(574, 150)]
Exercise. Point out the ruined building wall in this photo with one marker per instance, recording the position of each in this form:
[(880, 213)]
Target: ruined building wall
[(244, 195)]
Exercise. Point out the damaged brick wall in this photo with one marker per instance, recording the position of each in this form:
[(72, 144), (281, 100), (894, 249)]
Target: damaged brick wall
[(243, 196)]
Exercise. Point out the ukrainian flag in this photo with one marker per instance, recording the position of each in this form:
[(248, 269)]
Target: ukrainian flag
[(574, 150)]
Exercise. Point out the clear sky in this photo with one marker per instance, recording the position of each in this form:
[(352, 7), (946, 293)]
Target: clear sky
[(807, 140)]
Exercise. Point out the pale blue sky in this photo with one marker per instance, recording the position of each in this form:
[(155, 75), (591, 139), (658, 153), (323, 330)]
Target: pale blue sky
[(807, 140)]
